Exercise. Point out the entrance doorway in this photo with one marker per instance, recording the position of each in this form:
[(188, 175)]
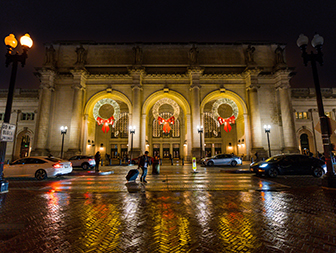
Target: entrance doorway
[(156, 150), (304, 141), (24, 150), (176, 151)]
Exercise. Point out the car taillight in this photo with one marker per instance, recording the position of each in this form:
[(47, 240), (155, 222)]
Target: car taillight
[(58, 166), (91, 160)]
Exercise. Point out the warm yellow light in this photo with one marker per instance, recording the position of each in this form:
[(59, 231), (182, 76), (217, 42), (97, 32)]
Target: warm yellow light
[(11, 41), (26, 41)]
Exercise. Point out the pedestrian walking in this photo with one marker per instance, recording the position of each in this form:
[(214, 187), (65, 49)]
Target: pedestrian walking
[(144, 161), (97, 158)]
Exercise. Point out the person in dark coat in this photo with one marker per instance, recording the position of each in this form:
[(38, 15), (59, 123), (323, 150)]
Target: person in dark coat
[(144, 161), (97, 158)]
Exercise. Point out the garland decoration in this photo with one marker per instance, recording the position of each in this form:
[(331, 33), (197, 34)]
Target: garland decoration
[(171, 120), (102, 121), (226, 121)]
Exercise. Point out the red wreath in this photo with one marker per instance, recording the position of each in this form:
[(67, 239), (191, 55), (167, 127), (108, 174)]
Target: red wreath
[(227, 122), (105, 123), (166, 127)]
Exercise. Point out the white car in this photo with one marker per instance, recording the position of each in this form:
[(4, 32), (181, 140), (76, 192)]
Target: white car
[(39, 167)]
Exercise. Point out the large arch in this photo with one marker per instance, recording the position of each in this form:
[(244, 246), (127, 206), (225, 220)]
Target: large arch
[(241, 144), (181, 101), (89, 124)]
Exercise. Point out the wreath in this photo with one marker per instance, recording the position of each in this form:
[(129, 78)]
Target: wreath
[(103, 121), (226, 121), (171, 120)]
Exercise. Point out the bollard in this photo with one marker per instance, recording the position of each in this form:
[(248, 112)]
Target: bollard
[(182, 161), (171, 161), (119, 161), (110, 162)]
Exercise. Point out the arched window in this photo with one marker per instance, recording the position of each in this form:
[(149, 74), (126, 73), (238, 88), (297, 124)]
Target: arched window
[(121, 127), (158, 128), (211, 126)]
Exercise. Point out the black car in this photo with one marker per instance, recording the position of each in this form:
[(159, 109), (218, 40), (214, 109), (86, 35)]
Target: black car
[(289, 164)]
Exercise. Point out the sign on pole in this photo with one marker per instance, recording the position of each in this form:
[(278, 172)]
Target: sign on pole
[(194, 163), (7, 132)]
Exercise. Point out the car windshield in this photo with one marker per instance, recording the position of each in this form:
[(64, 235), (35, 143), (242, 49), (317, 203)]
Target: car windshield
[(274, 159)]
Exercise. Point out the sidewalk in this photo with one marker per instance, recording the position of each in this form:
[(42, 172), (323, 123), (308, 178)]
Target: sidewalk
[(214, 210)]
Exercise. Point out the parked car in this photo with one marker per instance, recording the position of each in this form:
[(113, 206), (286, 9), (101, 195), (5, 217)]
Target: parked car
[(222, 159), (84, 161), (39, 167), (290, 164)]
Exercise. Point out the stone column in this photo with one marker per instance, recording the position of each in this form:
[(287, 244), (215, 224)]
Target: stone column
[(247, 140), (251, 78), (79, 83), (289, 137), (195, 74), (137, 75), (189, 137), (43, 120), (143, 133), (85, 134)]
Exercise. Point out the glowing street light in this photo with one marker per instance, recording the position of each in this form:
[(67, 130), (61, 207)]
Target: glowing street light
[(317, 42), (11, 43), (267, 131), (64, 130)]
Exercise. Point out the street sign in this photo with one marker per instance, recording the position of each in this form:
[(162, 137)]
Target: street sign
[(7, 132)]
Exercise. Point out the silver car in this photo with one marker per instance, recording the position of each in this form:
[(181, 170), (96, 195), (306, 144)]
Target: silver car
[(222, 159), (84, 161)]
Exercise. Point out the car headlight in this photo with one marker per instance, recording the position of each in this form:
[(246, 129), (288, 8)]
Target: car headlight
[(263, 165)]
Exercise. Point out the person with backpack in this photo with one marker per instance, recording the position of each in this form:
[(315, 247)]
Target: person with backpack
[(144, 161)]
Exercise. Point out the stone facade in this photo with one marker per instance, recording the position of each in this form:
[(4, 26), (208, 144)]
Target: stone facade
[(138, 83)]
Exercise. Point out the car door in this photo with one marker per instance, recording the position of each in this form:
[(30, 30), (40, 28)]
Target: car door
[(219, 160), (31, 166), (227, 159), (75, 161), (15, 169), (287, 165), (305, 164)]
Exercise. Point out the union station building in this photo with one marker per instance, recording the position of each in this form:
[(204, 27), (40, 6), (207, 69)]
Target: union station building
[(181, 100)]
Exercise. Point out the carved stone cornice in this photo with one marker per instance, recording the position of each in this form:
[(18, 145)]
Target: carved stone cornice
[(109, 76), (137, 71)]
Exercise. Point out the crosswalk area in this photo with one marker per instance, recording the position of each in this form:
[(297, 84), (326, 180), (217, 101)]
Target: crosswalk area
[(168, 182)]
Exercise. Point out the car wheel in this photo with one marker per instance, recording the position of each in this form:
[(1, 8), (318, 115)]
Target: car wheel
[(233, 163), (211, 163), (318, 172), (273, 172), (40, 174), (85, 166)]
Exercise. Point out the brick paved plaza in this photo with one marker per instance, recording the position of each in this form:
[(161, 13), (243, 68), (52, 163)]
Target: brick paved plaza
[(220, 209)]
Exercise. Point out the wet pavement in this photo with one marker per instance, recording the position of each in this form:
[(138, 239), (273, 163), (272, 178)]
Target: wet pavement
[(219, 209)]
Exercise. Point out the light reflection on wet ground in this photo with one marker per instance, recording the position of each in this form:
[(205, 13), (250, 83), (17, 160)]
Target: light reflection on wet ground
[(206, 212)]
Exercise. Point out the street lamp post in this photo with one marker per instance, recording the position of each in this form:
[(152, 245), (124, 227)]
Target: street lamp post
[(267, 131), (200, 131), (132, 131), (63, 132), (317, 42), (11, 42)]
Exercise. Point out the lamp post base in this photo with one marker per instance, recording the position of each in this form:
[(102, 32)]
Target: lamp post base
[(3, 186), (329, 182)]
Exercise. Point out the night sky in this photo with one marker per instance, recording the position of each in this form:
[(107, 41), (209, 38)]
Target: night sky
[(171, 21)]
